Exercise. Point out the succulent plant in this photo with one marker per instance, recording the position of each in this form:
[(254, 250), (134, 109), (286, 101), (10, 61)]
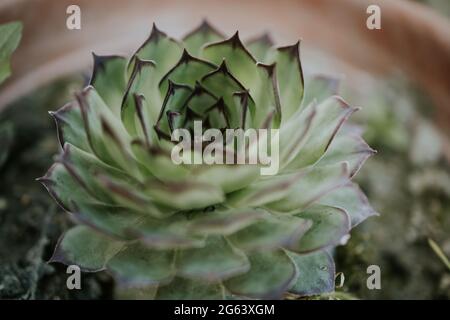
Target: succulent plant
[(206, 231)]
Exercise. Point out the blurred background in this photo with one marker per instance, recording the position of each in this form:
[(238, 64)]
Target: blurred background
[(399, 75)]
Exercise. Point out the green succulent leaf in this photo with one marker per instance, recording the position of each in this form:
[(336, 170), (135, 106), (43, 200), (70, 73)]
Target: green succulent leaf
[(328, 119), (217, 260), (329, 226), (158, 163), (64, 187), (187, 71), (140, 104), (270, 233), (135, 293), (311, 187), (228, 178), (165, 51), (174, 102), (222, 83), (70, 126), (347, 147), (137, 266), (110, 220), (319, 88), (270, 274), (165, 234), (203, 35), (107, 136), (239, 60), (108, 78), (266, 96), (184, 289), (290, 78), (264, 191), (10, 34), (186, 195), (84, 168), (316, 273), (86, 248), (225, 222), (261, 47), (352, 200)]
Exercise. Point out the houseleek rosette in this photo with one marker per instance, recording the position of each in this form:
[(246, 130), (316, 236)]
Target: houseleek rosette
[(206, 231)]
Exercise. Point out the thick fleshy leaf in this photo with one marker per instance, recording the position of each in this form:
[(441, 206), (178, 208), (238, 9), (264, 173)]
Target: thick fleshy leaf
[(160, 48), (224, 222), (316, 273), (84, 168), (227, 177), (135, 293), (138, 120), (64, 188), (70, 126), (347, 147), (10, 34), (217, 260), (223, 84), (138, 266), (106, 184), (168, 233), (266, 96), (141, 102), (174, 101), (260, 47), (314, 184), (131, 196), (264, 191), (85, 248), (200, 36), (113, 221), (320, 87), (184, 289), (293, 135), (202, 105), (290, 79), (185, 195), (108, 78), (107, 136), (187, 71), (246, 105), (352, 200), (330, 116), (159, 163), (329, 227), (200, 100), (270, 233), (270, 275), (240, 61)]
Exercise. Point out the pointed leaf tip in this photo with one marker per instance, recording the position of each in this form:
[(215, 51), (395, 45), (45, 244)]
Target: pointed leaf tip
[(265, 38), (235, 42), (293, 50), (205, 28), (99, 64), (155, 34)]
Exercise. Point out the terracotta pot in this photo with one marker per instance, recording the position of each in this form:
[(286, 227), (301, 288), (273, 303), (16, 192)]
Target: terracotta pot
[(414, 39)]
